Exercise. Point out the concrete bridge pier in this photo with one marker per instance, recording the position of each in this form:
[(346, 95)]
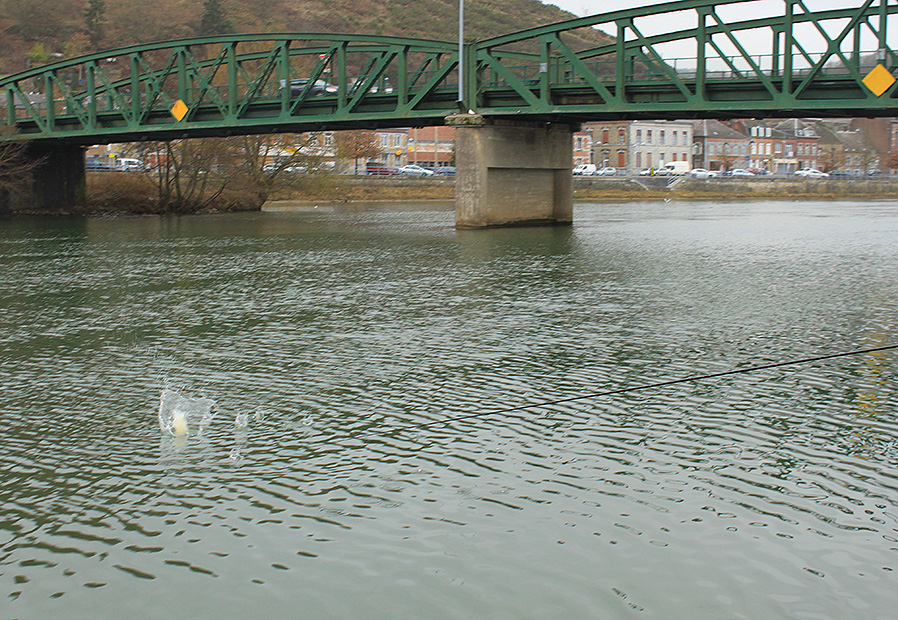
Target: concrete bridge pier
[(512, 173), (57, 179)]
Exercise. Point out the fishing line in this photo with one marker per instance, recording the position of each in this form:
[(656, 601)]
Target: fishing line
[(636, 388)]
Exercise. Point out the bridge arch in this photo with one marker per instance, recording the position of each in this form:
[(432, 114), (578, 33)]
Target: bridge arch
[(235, 84), (793, 61)]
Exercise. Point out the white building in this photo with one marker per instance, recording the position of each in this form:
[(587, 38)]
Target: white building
[(655, 143)]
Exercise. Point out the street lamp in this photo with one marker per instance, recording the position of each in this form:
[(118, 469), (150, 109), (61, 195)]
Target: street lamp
[(461, 49)]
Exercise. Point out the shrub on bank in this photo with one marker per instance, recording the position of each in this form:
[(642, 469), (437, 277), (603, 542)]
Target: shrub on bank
[(137, 193), (121, 192)]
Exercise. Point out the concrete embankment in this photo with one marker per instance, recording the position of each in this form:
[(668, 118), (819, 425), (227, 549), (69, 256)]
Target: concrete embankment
[(393, 188), (732, 188)]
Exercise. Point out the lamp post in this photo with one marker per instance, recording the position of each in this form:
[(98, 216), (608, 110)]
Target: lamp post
[(461, 55)]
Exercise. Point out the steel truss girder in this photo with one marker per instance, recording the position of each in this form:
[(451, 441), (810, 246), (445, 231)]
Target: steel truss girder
[(639, 80), (228, 90), (260, 83)]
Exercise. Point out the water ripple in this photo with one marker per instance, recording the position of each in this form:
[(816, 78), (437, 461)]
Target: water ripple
[(334, 344)]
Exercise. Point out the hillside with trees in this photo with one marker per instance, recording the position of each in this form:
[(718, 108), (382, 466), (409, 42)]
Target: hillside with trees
[(34, 32)]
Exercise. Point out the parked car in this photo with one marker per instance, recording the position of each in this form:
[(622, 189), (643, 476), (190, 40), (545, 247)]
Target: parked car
[(841, 174), (416, 170), (448, 171), (585, 170), (811, 173), (740, 173), (379, 169), (759, 172), (317, 89), (607, 171), (701, 173)]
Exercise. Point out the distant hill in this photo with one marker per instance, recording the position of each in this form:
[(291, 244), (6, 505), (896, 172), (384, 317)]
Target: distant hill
[(35, 31)]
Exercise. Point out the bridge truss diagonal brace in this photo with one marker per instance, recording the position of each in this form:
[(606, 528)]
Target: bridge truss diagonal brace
[(758, 72), (205, 80), (429, 86), (668, 70), (833, 46), (270, 64), (371, 77), (156, 82), (580, 68), (494, 64)]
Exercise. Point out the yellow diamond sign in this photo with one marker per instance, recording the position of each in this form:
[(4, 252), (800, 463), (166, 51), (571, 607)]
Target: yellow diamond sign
[(879, 80), (180, 109)]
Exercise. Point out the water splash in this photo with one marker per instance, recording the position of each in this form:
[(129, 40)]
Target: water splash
[(241, 420), (178, 415)]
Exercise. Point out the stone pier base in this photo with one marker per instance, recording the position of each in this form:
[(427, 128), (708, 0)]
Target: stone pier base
[(512, 173)]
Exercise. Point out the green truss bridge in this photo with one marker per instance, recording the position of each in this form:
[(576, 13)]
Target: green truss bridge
[(685, 59)]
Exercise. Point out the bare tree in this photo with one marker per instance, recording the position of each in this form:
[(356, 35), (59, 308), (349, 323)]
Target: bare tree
[(357, 144), (188, 173), (271, 162), (892, 160), (831, 158), (193, 174), (15, 169)]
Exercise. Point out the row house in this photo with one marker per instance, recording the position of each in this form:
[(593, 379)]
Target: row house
[(800, 146), (393, 146), (640, 144), (717, 146), (431, 147), (609, 144), (655, 143), (582, 148)]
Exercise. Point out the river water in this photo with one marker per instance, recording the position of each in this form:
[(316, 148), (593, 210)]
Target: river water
[(318, 341)]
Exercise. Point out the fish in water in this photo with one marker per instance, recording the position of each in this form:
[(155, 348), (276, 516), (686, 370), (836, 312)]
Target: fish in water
[(178, 413), (179, 424)]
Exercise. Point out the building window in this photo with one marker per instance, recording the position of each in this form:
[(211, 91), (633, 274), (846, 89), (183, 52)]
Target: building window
[(604, 135), (648, 136), (621, 137), (661, 137), (638, 136)]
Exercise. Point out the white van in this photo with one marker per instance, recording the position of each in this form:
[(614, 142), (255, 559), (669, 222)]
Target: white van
[(674, 168), (129, 164), (585, 170)]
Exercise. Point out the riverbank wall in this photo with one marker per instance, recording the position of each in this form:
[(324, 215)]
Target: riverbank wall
[(623, 188)]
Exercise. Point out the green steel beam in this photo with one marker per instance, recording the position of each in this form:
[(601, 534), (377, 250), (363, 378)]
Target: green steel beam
[(236, 84)]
